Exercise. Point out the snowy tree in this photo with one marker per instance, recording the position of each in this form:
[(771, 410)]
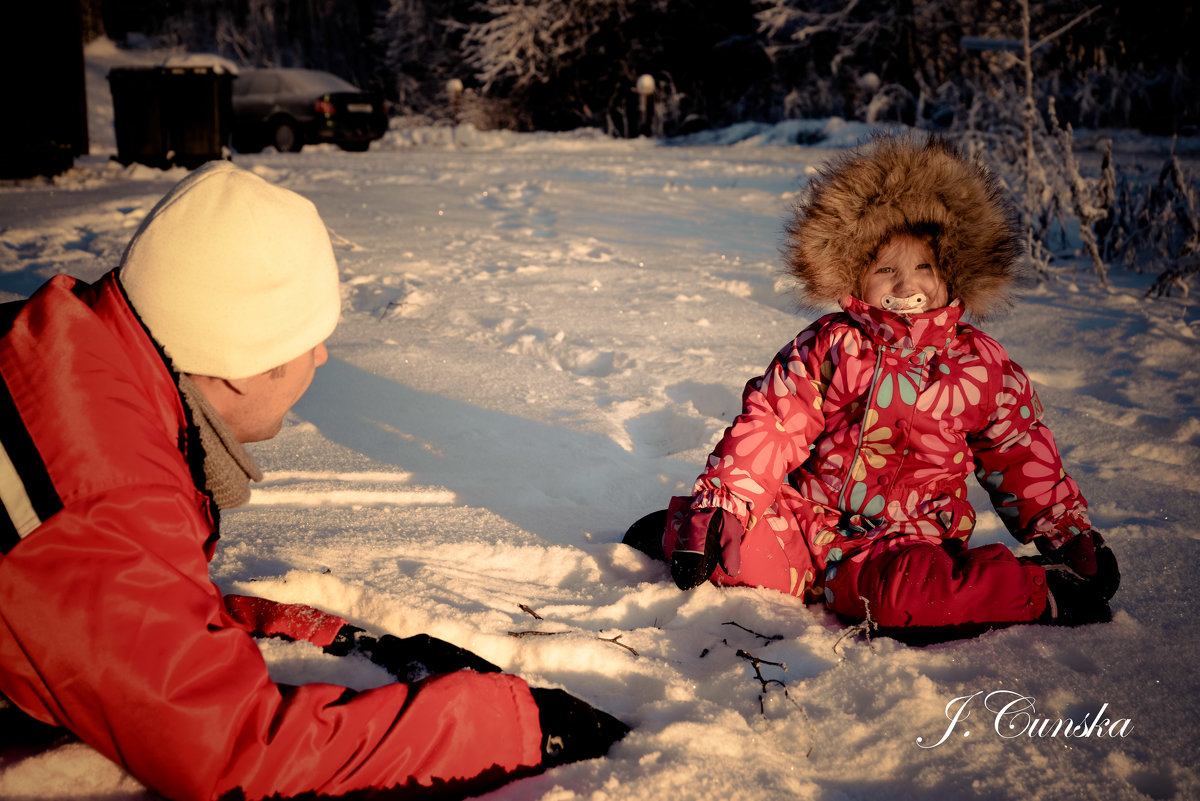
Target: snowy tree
[(572, 62), (251, 38), (837, 49), (529, 42), (421, 44)]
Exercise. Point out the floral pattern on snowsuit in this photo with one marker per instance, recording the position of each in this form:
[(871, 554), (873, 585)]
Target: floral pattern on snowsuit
[(862, 434)]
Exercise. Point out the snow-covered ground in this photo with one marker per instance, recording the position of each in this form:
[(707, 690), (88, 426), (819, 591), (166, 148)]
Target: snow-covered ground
[(541, 338)]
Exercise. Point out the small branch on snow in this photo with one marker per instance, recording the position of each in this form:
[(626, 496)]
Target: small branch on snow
[(530, 633), (758, 662), (763, 637), (623, 645)]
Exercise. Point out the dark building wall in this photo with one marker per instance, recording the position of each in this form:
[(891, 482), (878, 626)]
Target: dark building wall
[(42, 61)]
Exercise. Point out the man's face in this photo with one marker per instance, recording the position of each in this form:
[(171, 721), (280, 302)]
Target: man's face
[(266, 398)]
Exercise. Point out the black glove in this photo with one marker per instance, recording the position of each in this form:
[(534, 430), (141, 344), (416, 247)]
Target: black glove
[(409, 659), (573, 730), (1091, 558)]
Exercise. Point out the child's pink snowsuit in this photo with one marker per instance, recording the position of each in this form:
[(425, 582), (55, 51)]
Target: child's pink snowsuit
[(848, 467)]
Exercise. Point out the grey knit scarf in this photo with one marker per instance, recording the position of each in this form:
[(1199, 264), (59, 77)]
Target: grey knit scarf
[(228, 467)]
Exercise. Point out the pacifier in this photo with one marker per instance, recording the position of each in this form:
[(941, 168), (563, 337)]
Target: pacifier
[(913, 304)]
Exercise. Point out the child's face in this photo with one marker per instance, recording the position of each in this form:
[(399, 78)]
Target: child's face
[(905, 266)]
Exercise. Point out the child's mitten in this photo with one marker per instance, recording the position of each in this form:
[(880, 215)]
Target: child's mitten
[(1072, 600), (706, 537), (1089, 556)]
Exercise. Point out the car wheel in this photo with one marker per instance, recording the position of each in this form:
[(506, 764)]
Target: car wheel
[(285, 138), (354, 147)]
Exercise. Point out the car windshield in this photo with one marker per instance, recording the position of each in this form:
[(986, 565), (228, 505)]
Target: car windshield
[(295, 81)]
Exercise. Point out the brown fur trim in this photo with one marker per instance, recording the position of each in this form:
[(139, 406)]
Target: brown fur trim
[(897, 184)]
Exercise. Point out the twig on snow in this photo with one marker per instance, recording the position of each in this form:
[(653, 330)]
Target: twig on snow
[(864, 628), (614, 641), (758, 662), (530, 633), (762, 637)]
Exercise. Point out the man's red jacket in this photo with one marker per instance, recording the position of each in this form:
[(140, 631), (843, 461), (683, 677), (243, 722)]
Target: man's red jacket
[(110, 626)]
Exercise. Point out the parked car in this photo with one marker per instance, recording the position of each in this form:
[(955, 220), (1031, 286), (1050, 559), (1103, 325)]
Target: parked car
[(291, 108)]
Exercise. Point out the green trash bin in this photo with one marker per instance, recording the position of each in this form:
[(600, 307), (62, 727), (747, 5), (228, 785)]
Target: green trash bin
[(167, 116)]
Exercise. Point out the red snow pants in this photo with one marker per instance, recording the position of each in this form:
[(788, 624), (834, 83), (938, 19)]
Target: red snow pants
[(936, 590), (916, 588)]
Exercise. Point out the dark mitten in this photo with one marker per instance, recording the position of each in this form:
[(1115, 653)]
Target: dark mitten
[(1072, 600), (647, 535), (706, 537), (345, 641), (573, 730), (1089, 556), (409, 659)]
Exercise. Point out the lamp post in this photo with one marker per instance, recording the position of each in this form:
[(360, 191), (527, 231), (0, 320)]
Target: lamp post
[(454, 89), (645, 88)]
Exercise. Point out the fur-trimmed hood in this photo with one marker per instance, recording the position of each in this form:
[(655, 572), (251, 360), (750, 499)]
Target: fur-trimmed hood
[(897, 183)]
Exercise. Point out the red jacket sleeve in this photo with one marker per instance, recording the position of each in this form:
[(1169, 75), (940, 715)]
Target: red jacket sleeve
[(1017, 462), (262, 617), (781, 416), (109, 626)]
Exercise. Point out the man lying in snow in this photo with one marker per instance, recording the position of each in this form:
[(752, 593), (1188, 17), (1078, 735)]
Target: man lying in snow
[(124, 405), (844, 478)]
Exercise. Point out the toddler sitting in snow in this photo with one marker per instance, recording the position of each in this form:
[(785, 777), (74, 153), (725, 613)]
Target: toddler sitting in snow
[(844, 477)]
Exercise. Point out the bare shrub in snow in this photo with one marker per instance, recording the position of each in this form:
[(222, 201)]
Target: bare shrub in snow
[(1163, 225)]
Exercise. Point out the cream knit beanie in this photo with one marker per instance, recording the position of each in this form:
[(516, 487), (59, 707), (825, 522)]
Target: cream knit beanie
[(232, 275)]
